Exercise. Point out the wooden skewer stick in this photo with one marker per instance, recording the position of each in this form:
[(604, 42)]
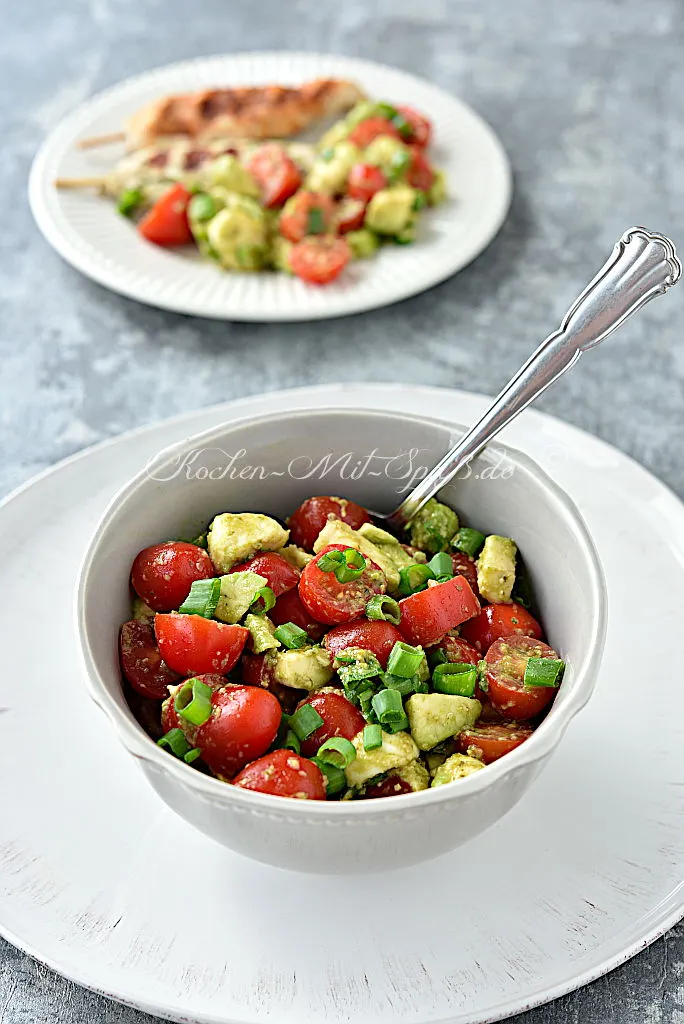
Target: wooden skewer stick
[(101, 140), (80, 182)]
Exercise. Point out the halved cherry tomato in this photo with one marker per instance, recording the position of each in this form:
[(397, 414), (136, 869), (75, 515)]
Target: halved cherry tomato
[(428, 615), (307, 521), (364, 181), (464, 565), (289, 608), (391, 785), (167, 222), (376, 636), (283, 773), (319, 259), (307, 213), (276, 174), (490, 742), (496, 621), (141, 661), (340, 718), (281, 575), (506, 661), (419, 174), (458, 651), (163, 573), (367, 130), (349, 215), (332, 602), (243, 724), (170, 719), (421, 128), (191, 644)]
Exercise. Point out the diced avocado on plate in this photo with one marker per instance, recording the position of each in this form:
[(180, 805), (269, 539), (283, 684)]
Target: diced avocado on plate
[(262, 631), (434, 717), (237, 595), (337, 532), (458, 766), (307, 668), (433, 527), (397, 751), (235, 536), (496, 569)]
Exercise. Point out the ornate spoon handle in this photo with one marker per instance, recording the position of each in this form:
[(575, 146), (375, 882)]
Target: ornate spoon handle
[(642, 265)]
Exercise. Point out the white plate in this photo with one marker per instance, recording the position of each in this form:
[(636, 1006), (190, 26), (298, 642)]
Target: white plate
[(87, 231), (104, 884)]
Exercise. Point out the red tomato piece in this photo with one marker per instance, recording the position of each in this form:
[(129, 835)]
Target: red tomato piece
[(428, 615), (420, 174), (281, 575), (464, 565), (497, 621), (350, 215), (191, 644), (167, 222), (506, 661), (319, 259), (367, 130), (340, 718), (141, 661), (421, 128), (376, 636), (392, 785), (289, 608), (283, 773), (163, 574), (364, 181), (170, 718), (307, 213), (458, 651), (490, 742), (243, 724), (276, 174), (307, 521), (332, 602)]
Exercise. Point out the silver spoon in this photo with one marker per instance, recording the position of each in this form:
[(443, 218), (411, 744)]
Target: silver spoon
[(642, 265)]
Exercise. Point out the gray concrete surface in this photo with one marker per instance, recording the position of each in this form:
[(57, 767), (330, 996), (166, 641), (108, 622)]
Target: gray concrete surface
[(587, 99)]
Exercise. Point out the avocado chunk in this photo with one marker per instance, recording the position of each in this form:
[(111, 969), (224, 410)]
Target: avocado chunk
[(280, 254), (437, 192), (227, 171), (397, 751), (262, 631), (235, 536), (238, 234), (329, 173), (496, 569), (237, 594), (390, 154), (297, 557), (337, 532), (307, 668), (388, 544), (456, 767), (390, 209), (433, 527), (141, 611), (434, 717), (363, 243), (415, 775)]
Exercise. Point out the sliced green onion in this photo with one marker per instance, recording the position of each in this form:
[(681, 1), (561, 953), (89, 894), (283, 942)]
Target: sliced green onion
[(315, 224), (468, 541), (372, 737), (413, 578), (398, 726), (523, 594), (337, 751), (200, 540), (388, 706), (420, 201), (335, 779), (203, 598), (441, 565), (403, 686), (202, 207), (263, 601), (193, 701), (384, 608), (443, 579), (365, 701), (305, 721), (543, 672), (386, 110), (398, 165), (366, 669), (292, 636), (402, 126), (129, 201), (192, 755), (404, 660), (175, 741), (455, 678), (347, 565), (437, 656), (291, 742)]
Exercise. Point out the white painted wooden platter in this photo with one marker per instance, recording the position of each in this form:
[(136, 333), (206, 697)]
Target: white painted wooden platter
[(102, 883)]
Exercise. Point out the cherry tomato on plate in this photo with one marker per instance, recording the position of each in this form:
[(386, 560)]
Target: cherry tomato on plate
[(289, 608), (243, 724), (497, 621), (283, 773), (429, 614), (490, 742), (307, 213), (458, 651), (276, 174), (364, 132), (391, 785), (141, 661), (191, 644), (170, 719), (349, 215), (364, 181), (464, 565), (307, 521), (163, 573), (421, 128), (333, 602), (280, 574), (340, 718), (319, 259), (420, 174), (167, 222), (376, 636), (506, 661)]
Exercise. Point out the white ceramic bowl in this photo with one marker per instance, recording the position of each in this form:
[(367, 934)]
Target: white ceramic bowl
[(271, 464)]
